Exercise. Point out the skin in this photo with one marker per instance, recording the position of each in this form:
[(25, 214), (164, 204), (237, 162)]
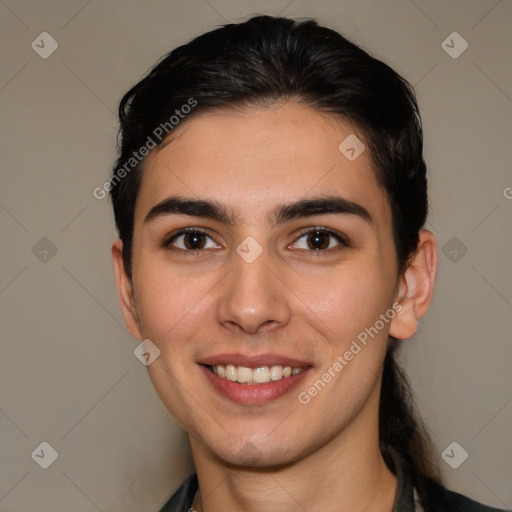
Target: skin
[(292, 300)]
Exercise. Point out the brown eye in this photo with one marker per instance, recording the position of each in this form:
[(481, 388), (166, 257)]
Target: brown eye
[(190, 240), (194, 241), (318, 240)]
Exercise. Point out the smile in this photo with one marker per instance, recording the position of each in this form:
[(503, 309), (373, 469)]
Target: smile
[(254, 376)]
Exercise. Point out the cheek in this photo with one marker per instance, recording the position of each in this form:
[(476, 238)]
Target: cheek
[(346, 300), (168, 301)]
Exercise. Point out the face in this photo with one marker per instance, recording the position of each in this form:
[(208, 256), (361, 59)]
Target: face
[(288, 258)]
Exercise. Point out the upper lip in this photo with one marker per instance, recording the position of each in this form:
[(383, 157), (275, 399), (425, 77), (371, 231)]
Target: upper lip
[(255, 361)]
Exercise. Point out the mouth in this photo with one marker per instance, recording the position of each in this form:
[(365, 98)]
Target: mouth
[(254, 380), (254, 376)]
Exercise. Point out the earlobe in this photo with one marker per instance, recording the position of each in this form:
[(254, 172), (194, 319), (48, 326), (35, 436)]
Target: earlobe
[(416, 287), (124, 291)]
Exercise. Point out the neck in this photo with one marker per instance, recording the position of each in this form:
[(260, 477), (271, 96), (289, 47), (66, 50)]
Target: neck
[(348, 473)]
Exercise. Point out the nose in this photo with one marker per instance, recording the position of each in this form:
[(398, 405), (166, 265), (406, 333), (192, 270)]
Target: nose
[(253, 298)]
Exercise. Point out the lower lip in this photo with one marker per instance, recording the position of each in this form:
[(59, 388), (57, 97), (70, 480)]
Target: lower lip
[(254, 394)]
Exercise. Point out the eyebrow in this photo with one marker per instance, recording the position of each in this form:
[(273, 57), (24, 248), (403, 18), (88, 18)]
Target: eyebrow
[(211, 209), (321, 206), (193, 207)]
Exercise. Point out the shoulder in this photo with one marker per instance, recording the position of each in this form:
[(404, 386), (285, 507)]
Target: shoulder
[(446, 500), (457, 502), (182, 499), (430, 495)]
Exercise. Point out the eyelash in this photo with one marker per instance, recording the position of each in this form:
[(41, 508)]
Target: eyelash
[(340, 238)]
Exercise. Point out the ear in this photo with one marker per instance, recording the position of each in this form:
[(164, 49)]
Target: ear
[(125, 291), (416, 287)]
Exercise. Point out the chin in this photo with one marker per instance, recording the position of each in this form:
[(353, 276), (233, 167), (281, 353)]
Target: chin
[(257, 455), (252, 458)]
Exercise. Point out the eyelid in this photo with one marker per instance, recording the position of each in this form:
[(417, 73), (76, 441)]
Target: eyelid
[(340, 237), (183, 231)]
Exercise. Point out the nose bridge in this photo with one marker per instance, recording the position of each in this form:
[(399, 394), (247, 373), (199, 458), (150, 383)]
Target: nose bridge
[(252, 295)]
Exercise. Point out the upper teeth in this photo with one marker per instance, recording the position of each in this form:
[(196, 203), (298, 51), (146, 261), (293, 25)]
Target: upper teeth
[(259, 375)]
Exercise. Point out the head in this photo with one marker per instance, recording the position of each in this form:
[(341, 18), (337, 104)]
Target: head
[(286, 133)]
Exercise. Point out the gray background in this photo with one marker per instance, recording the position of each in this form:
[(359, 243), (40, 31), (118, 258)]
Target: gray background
[(68, 373)]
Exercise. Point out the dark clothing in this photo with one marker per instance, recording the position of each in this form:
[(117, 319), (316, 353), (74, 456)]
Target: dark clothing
[(444, 500)]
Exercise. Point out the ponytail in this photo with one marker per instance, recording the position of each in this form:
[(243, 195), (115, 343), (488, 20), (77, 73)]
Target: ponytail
[(401, 428)]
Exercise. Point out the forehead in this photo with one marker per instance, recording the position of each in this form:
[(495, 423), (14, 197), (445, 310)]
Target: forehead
[(250, 160)]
